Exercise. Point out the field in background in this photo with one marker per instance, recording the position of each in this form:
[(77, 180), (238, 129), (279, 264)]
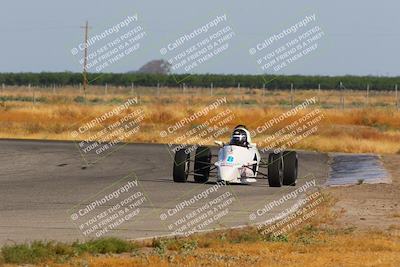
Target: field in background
[(354, 120)]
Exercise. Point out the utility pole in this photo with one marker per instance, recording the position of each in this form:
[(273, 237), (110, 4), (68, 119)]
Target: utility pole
[(85, 81)]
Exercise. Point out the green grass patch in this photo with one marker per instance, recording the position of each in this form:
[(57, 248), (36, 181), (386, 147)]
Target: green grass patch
[(105, 246), (96, 100), (339, 231), (39, 251), (79, 99), (245, 236), (23, 99), (116, 100), (159, 246), (276, 238), (182, 245), (36, 252)]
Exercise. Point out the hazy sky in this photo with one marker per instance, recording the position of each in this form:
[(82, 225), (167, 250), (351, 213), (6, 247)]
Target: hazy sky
[(360, 37)]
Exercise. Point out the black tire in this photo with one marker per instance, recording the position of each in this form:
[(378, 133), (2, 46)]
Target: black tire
[(202, 165), (275, 170), (290, 168), (181, 166)]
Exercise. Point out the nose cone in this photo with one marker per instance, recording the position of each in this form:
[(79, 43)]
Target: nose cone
[(228, 173)]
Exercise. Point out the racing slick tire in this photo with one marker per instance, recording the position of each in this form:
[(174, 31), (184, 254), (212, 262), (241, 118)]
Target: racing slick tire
[(290, 168), (202, 164), (275, 170), (181, 166)]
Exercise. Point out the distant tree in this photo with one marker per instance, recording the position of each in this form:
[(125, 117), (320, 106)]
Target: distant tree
[(158, 66), (150, 76)]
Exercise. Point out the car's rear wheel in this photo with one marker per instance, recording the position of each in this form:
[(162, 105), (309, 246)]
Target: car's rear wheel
[(275, 170), (181, 166), (202, 165), (290, 168)]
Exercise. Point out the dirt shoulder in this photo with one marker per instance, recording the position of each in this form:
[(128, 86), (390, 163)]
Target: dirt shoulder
[(371, 206)]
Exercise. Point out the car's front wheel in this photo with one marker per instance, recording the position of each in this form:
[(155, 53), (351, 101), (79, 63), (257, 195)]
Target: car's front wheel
[(202, 162), (181, 166), (290, 167), (275, 170)]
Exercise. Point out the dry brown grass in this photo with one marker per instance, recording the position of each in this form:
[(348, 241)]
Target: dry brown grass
[(322, 248), (372, 129), (325, 250)]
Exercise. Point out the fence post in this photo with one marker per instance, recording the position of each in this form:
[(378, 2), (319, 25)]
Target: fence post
[(263, 90), (263, 94), (33, 95), (106, 89), (342, 100), (367, 95), (158, 89), (132, 85), (341, 95), (319, 94), (211, 89), (291, 95), (184, 93), (3, 98), (397, 97)]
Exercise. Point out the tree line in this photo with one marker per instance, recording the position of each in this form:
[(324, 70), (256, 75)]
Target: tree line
[(202, 80)]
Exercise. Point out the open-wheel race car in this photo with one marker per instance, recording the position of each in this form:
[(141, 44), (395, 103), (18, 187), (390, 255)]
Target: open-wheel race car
[(237, 162)]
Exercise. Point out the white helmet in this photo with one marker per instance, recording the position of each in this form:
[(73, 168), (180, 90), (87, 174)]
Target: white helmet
[(240, 136)]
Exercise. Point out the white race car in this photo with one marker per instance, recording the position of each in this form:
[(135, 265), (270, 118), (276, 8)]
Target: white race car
[(238, 162)]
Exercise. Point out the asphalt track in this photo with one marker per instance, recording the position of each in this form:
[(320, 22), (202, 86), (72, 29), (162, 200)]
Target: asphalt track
[(42, 183)]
